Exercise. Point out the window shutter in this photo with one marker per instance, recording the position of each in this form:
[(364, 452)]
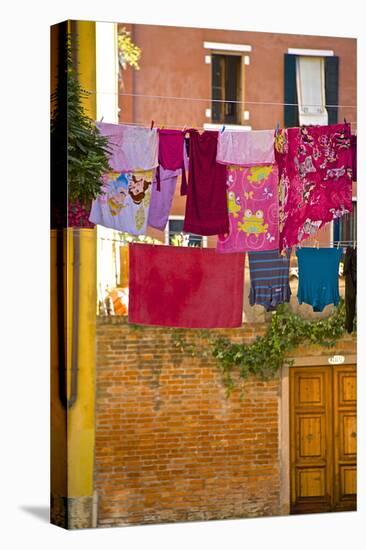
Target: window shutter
[(231, 84), (291, 112), (331, 87), (216, 87)]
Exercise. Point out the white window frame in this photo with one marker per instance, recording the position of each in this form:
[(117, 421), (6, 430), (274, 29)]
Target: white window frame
[(180, 217), (227, 47), (317, 53), (218, 48), (306, 52)]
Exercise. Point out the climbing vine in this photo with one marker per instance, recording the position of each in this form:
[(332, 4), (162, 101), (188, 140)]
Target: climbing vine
[(264, 357)]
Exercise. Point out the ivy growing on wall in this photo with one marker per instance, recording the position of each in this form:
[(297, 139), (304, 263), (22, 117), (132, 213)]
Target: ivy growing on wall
[(264, 357)]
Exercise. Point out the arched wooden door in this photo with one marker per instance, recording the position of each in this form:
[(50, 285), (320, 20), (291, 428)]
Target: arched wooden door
[(322, 439)]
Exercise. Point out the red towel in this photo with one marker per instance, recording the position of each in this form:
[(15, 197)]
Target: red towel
[(185, 287), (206, 206)]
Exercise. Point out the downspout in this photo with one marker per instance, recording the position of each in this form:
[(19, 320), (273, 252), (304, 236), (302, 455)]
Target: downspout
[(75, 319)]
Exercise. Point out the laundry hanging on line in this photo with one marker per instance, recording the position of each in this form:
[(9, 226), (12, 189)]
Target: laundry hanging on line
[(269, 278), (185, 287), (313, 191), (206, 207), (161, 201), (171, 155), (131, 147), (124, 202), (315, 179), (318, 276), (254, 148)]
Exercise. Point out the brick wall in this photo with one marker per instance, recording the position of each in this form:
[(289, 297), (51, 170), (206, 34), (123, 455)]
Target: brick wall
[(169, 445)]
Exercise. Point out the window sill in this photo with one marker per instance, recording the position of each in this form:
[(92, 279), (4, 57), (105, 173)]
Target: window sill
[(214, 126)]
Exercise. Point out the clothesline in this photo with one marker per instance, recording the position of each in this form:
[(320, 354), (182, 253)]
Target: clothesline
[(181, 126), (211, 100), (335, 244)]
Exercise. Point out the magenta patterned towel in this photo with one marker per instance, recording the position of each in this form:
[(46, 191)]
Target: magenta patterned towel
[(315, 169)]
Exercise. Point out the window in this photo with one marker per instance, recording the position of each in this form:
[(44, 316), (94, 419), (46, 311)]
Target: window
[(311, 90), (310, 79), (226, 87), (174, 234), (345, 228)]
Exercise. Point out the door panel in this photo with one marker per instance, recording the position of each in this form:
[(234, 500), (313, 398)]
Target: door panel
[(345, 437), (311, 471), (323, 438), (310, 437), (310, 482)]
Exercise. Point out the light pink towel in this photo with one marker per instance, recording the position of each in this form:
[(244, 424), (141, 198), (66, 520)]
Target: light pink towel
[(253, 209), (132, 147), (246, 148)]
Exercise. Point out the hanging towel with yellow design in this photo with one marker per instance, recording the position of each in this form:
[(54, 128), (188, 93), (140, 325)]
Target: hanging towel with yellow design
[(252, 200)]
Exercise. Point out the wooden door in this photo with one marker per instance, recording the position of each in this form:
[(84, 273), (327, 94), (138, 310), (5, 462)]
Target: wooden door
[(322, 438)]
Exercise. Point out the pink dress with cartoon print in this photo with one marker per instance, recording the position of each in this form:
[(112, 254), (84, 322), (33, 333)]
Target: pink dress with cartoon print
[(315, 170), (253, 209)]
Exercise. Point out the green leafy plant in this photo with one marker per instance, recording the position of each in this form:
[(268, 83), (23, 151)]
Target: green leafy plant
[(87, 150), (264, 357)]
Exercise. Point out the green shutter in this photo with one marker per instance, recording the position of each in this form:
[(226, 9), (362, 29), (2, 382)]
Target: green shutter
[(216, 87), (331, 87), (291, 112)]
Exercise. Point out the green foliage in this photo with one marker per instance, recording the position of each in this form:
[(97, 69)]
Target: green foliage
[(129, 52), (87, 150), (264, 357)]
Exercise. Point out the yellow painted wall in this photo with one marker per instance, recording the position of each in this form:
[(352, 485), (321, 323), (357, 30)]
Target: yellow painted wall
[(73, 463), (87, 63), (81, 417)]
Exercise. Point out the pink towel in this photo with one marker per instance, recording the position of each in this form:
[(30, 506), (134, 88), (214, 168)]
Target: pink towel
[(252, 197), (131, 147), (315, 169), (185, 287), (246, 148)]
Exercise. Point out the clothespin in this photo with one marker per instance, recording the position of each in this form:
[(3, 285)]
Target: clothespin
[(317, 244), (184, 127), (101, 120), (223, 128), (338, 244), (152, 125), (344, 120), (277, 127), (354, 245)]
